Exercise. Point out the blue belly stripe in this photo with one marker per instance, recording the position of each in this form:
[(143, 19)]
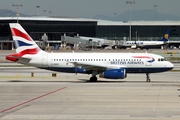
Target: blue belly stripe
[(128, 70)]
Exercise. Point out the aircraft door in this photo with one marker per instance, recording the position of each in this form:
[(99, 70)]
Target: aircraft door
[(44, 60)]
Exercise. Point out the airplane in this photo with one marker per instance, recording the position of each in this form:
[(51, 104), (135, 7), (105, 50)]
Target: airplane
[(147, 44), (107, 65)]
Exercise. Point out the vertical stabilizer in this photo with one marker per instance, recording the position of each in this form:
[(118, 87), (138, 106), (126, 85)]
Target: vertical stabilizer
[(23, 42), (165, 38)]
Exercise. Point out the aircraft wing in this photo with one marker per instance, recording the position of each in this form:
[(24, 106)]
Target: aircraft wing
[(97, 67)]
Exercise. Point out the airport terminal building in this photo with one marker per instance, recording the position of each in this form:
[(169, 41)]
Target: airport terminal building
[(54, 28)]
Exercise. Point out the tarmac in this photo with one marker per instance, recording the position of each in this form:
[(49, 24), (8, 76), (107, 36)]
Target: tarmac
[(28, 93), (71, 97)]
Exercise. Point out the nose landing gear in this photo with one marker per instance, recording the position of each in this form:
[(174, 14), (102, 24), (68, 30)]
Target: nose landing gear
[(148, 78)]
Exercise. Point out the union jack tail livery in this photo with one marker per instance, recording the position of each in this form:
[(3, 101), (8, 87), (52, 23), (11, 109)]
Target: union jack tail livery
[(23, 42)]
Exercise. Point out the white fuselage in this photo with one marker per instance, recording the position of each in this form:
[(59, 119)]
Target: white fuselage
[(133, 62)]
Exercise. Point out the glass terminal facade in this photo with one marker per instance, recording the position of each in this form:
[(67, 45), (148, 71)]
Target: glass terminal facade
[(142, 33), (53, 29), (89, 28)]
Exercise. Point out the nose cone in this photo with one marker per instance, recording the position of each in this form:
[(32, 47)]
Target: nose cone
[(170, 66)]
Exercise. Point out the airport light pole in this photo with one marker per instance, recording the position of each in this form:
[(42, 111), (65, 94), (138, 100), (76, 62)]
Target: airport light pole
[(155, 6), (17, 6), (37, 6), (50, 13), (7, 13), (130, 4), (44, 12)]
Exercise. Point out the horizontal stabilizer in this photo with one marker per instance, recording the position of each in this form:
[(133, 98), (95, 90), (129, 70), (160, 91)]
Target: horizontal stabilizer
[(16, 57)]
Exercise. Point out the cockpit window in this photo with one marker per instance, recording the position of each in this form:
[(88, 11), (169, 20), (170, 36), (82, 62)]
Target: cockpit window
[(161, 59)]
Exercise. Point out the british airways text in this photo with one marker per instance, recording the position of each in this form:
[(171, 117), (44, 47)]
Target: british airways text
[(127, 62)]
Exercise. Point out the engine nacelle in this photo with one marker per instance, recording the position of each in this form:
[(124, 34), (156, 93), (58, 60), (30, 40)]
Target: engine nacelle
[(114, 74)]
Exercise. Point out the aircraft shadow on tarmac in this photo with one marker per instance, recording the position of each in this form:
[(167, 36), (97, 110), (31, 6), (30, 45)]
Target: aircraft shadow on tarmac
[(78, 81), (99, 81), (128, 81), (44, 81)]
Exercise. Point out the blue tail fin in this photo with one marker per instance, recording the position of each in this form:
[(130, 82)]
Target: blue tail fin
[(166, 36)]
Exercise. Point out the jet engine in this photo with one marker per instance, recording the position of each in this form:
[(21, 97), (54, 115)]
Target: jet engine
[(114, 74)]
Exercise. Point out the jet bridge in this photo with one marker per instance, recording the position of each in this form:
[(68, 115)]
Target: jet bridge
[(90, 42)]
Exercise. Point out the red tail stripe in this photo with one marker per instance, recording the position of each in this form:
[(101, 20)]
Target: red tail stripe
[(29, 51), (16, 32)]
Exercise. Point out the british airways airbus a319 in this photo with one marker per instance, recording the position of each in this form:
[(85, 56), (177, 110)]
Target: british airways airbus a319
[(106, 65)]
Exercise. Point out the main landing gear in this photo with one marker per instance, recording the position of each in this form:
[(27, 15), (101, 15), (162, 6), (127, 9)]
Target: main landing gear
[(148, 78), (93, 78)]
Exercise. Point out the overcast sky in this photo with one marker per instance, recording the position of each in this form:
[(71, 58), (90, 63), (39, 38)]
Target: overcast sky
[(89, 8)]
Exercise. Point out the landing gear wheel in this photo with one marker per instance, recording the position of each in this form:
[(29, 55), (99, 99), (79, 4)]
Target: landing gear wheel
[(148, 78), (93, 79)]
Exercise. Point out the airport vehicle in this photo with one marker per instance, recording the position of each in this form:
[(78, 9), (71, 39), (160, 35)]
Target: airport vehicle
[(147, 44), (107, 65)]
